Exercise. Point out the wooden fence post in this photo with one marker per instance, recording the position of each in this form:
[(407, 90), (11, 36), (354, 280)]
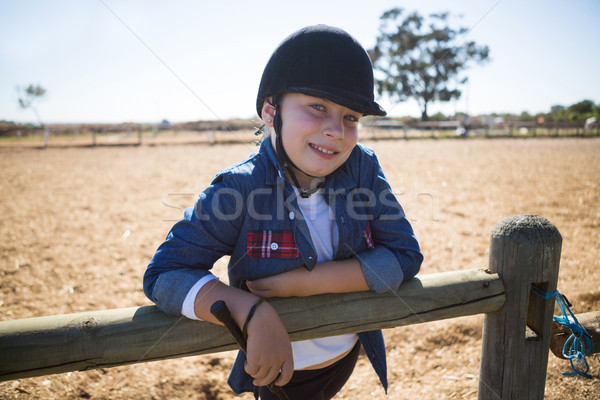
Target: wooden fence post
[(524, 251)]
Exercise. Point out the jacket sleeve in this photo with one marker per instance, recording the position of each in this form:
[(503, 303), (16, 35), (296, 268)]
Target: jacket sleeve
[(207, 232), (396, 255)]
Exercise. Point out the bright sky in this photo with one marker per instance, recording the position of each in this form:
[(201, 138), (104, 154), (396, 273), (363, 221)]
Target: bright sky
[(185, 60)]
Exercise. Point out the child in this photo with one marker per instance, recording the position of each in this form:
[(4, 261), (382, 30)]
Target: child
[(310, 213)]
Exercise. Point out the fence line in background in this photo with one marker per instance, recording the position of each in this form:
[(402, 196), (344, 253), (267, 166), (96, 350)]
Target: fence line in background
[(207, 132)]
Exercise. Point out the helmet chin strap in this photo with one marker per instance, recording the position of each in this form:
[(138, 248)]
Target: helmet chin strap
[(284, 158)]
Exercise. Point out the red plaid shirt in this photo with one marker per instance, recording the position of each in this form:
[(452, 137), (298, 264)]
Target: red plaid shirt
[(271, 244)]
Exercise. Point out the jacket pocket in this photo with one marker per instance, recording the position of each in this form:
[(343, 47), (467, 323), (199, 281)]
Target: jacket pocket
[(271, 244)]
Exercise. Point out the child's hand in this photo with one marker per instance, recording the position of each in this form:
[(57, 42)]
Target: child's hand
[(269, 350), (342, 276), (286, 284)]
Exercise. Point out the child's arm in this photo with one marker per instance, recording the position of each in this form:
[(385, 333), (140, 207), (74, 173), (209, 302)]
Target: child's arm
[(269, 350), (342, 276)]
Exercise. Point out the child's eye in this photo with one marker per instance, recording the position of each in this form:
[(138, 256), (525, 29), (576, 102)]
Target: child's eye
[(352, 118), (318, 107)]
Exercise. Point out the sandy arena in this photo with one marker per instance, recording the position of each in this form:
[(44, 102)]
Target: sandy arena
[(80, 225)]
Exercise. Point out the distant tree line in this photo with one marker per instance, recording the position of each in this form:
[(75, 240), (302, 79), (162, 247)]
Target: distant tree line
[(574, 114)]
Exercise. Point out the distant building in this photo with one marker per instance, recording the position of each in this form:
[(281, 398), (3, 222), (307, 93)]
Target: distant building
[(164, 125)]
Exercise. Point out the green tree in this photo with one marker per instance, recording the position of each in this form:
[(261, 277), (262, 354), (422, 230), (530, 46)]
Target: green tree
[(439, 116), (596, 110), (525, 116), (28, 97), (422, 59), (583, 107), (580, 111), (557, 113)]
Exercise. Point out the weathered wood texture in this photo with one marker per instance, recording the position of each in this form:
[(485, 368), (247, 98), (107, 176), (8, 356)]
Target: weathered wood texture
[(590, 321), (99, 339), (524, 251)]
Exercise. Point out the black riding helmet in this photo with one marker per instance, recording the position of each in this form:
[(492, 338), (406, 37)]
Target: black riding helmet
[(321, 61)]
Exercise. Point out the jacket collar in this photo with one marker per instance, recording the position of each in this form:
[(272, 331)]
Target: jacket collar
[(341, 179), (266, 149)]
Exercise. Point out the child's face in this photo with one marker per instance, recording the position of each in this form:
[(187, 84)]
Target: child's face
[(317, 134)]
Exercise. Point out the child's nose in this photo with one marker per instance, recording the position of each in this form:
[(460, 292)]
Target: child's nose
[(334, 127)]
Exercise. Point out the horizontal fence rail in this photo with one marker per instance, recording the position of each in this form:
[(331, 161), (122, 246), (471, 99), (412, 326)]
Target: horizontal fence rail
[(98, 339)]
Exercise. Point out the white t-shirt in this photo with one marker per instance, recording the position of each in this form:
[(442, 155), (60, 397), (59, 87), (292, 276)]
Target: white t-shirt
[(325, 237)]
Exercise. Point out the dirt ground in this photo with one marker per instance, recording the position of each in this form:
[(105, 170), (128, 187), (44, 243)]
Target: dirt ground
[(79, 226)]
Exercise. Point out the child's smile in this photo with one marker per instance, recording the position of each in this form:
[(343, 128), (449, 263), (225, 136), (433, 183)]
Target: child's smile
[(323, 152), (318, 134)]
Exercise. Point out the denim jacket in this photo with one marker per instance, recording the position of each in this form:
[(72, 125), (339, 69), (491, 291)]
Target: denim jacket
[(250, 212)]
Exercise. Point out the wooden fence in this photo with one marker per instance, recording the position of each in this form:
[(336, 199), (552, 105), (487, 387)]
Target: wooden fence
[(481, 127), (242, 131), (524, 251)]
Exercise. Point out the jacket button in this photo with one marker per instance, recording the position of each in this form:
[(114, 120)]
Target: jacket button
[(274, 246), (292, 215)]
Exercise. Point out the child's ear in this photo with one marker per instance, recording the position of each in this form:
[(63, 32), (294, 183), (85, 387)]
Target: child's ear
[(268, 113)]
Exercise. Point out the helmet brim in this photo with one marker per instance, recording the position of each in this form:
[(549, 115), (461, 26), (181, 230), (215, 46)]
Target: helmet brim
[(355, 102)]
